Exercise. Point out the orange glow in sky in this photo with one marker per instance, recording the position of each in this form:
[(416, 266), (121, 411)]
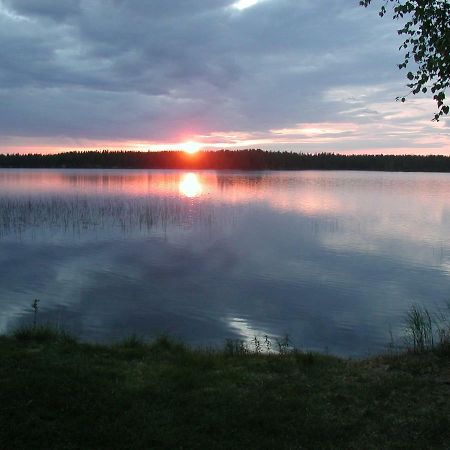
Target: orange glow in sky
[(191, 147)]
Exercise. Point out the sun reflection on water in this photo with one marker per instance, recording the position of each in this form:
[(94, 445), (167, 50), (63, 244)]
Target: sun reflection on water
[(190, 185)]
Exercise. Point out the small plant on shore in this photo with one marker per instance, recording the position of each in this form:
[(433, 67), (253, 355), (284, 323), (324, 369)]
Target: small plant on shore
[(391, 345), (284, 344), (257, 345), (419, 328), (426, 331), (236, 347), (267, 343), (35, 306), (443, 329)]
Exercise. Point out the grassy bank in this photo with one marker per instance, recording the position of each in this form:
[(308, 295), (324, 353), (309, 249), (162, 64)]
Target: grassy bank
[(57, 393)]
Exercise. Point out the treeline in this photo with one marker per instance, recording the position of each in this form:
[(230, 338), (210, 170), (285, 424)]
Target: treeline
[(228, 159)]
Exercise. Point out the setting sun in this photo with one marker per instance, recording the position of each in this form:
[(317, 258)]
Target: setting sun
[(191, 147)]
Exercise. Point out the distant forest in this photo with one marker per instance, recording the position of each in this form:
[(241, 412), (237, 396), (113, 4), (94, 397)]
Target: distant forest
[(228, 159)]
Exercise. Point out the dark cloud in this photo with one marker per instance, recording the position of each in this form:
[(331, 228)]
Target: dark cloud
[(60, 10), (155, 71)]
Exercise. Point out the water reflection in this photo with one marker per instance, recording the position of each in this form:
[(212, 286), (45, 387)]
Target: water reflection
[(332, 258), (190, 185)]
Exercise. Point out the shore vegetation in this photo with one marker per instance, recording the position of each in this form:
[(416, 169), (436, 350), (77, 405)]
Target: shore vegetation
[(57, 392)]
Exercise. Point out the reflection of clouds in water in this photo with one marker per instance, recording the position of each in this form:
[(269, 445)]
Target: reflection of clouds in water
[(331, 277), (446, 267), (190, 291), (54, 274), (416, 239), (332, 286)]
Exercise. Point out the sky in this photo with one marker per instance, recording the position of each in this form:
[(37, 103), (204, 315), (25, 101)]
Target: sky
[(296, 75)]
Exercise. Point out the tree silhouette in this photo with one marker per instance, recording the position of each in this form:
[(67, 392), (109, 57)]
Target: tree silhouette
[(426, 45), (251, 159)]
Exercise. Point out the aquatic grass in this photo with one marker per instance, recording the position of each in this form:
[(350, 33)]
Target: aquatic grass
[(284, 344), (427, 331), (442, 324), (257, 345), (77, 214), (419, 328)]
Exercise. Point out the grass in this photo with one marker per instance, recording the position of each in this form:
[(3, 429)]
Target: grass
[(427, 331), (42, 334), (58, 393)]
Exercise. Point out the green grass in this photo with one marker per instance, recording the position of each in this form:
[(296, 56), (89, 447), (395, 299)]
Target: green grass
[(57, 393)]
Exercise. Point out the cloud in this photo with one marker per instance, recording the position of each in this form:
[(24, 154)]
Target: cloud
[(152, 72)]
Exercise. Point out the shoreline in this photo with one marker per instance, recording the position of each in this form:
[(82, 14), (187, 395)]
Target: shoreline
[(243, 160)]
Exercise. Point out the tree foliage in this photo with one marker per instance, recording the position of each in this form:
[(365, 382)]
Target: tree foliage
[(427, 44)]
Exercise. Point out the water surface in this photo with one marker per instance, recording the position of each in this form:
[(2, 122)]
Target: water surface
[(334, 259)]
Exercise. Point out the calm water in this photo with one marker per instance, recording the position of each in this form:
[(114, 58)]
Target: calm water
[(332, 258)]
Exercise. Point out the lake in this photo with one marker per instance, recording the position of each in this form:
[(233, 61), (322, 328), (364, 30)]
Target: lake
[(334, 259)]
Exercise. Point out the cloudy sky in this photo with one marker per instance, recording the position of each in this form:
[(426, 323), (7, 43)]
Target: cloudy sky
[(301, 75)]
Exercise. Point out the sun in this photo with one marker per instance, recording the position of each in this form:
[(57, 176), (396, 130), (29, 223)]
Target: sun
[(191, 147)]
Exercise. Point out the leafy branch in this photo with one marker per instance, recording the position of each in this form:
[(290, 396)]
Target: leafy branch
[(427, 43)]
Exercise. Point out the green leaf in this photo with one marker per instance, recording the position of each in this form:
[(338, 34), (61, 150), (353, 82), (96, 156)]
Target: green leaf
[(427, 27)]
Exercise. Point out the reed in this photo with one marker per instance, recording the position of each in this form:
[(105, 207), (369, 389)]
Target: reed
[(426, 330)]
